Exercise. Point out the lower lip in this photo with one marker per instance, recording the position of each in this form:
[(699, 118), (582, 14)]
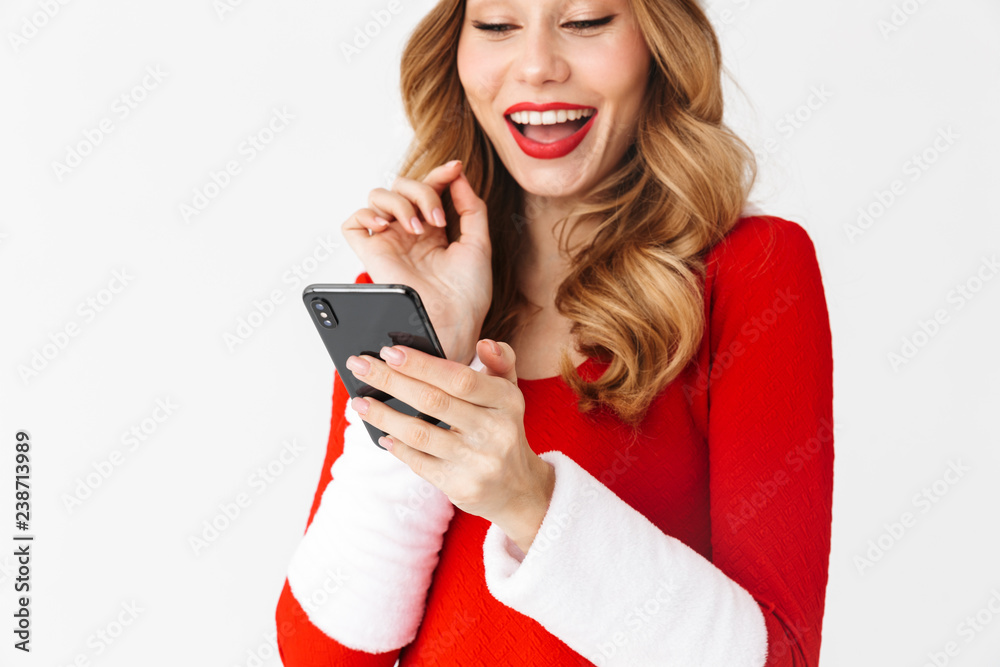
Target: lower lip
[(556, 149)]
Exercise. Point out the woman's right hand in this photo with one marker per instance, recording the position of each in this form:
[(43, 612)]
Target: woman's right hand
[(454, 281)]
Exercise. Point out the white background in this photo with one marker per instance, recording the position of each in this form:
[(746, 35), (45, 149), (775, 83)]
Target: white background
[(161, 337)]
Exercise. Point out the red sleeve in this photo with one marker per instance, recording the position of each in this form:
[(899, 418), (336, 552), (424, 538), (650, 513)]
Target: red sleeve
[(771, 430), (300, 643)]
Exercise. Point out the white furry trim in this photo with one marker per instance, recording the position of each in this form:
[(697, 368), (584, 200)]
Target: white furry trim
[(617, 590), (362, 570)]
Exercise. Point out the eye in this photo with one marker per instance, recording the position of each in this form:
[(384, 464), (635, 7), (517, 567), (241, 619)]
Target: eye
[(577, 26), (498, 28), (584, 26)]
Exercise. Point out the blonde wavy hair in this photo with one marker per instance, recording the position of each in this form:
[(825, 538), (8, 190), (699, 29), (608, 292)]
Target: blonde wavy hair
[(635, 292)]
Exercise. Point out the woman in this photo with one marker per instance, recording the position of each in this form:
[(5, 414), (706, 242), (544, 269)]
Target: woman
[(642, 467)]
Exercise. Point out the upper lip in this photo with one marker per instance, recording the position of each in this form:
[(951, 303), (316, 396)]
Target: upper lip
[(548, 106)]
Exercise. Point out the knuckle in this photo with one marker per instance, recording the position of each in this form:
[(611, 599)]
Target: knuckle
[(465, 382), (417, 435), (378, 378), (433, 401)]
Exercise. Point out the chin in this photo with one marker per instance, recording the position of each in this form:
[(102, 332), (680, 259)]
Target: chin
[(559, 185)]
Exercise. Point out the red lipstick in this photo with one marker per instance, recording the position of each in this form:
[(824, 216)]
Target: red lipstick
[(556, 149)]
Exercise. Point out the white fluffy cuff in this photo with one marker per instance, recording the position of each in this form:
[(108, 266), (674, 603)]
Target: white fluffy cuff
[(611, 585), (362, 570)]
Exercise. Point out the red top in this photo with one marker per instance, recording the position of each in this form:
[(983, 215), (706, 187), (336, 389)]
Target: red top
[(735, 460)]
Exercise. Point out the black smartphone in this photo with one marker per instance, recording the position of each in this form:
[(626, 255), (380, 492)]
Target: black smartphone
[(360, 318)]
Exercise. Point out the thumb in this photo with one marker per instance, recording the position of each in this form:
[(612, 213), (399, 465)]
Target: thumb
[(473, 221), (498, 365)]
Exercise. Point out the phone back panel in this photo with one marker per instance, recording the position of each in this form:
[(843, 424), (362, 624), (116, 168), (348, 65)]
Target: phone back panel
[(363, 318)]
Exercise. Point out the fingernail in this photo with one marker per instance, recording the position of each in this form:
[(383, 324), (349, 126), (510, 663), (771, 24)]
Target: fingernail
[(494, 347), (381, 222), (438, 216), (385, 442), (359, 405), (392, 356), (453, 163), (417, 227), (358, 365)]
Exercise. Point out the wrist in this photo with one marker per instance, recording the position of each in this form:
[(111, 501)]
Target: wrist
[(459, 342), (523, 527)]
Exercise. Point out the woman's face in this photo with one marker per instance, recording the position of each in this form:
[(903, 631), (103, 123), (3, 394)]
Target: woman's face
[(556, 84)]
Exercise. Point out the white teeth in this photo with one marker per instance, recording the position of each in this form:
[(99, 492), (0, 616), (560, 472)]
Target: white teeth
[(549, 117)]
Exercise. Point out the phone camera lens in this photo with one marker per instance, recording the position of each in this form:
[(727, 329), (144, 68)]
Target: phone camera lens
[(327, 323), (318, 305)]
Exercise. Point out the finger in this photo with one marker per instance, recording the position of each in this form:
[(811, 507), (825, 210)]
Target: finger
[(424, 465), (356, 228), (417, 433), (429, 398), (499, 361), (440, 177), (424, 196), (365, 218), (471, 209), (459, 381), (394, 206)]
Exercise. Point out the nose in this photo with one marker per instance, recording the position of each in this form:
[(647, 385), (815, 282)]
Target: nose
[(540, 59)]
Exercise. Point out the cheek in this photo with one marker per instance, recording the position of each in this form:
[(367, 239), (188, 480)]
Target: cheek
[(480, 73), (618, 72)]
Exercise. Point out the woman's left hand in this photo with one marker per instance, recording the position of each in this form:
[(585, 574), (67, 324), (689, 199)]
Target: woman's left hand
[(483, 463)]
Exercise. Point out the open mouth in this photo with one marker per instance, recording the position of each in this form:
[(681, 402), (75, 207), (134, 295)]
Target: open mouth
[(548, 127), (552, 134)]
